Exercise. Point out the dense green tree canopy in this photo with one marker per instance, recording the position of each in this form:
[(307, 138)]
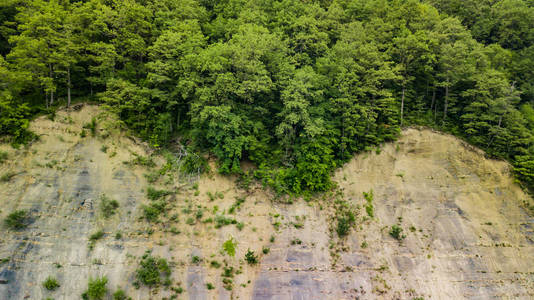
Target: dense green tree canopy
[(296, 87)]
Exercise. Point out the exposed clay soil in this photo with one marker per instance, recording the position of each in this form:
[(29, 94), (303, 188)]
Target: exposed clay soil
[(468, 235)]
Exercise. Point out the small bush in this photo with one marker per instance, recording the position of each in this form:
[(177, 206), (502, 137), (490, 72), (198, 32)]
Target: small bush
[(369, 208), (396, 232), (3, 156), (344, 223), (104, 148), (296, 242), (153, 270), (211, 196), (96, 236), (7, 176), (96, 288), (152, 211), (17, 220), (251, 258), (229, 246), (227, 283), (108, 206), (228, 272), (221, 221), (215, 264), (51, 283), (266, 250), (119, 295), (91, 126), (194, 164), (190, 221), (152, 177), (154, 194), (210, 286), (236, 205), (143, 161), (195, 259)]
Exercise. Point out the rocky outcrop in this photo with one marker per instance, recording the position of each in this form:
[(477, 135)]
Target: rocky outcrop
[(467, 233)]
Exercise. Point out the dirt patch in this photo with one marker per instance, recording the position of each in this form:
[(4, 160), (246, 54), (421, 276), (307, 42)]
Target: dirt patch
[(466, 232)]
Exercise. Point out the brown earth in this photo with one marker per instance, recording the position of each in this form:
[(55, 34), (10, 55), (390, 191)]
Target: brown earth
[(467, 233)]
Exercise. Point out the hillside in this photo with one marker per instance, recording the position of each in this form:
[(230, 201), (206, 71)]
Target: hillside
[(467, 233)]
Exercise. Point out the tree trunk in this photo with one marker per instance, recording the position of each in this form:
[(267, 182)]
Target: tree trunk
[(68, 87), (343, 137), (446, 102), (402, 105), (51, 90), (433, 99), (493, 135)]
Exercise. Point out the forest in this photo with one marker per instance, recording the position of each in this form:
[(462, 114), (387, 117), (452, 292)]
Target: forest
[(296, 87)]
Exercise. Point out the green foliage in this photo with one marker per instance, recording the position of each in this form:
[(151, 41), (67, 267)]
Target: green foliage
[(369, 208), (295, 87), (153, 270), (396, 232), (91, 126), (119, 295), (195, 259), (14, 118), (108, 206), (51, 283), (215, 264), (17, 220), (251, 258), (344, 224), (221, 220), (229, 247), (93, 238), (96, 288), (6, 177), (154, 194), (152, 211), (145, 161), (345, 217), (193, 163), (96, 236), (3, 156), (236, 205)]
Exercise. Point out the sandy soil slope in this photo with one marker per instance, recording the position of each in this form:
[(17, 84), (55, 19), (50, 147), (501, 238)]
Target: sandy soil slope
[(468, 235)]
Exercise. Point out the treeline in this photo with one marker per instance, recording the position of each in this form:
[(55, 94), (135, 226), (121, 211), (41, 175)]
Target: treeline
[(297, 87)]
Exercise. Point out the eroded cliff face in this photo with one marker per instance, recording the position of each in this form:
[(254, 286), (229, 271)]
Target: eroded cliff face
[(467, 233)]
